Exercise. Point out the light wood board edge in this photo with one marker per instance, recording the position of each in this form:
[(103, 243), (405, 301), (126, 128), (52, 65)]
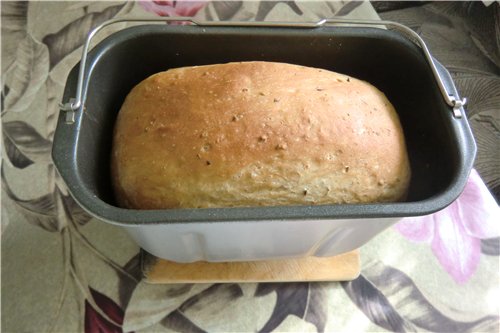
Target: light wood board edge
[(344, 267)]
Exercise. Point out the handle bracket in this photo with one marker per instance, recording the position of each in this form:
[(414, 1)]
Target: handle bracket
[(455, 102)]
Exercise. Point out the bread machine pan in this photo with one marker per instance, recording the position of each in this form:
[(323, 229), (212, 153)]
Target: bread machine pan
[(440, 143)]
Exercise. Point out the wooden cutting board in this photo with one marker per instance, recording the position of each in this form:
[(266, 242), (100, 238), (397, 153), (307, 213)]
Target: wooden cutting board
[(343, 267)]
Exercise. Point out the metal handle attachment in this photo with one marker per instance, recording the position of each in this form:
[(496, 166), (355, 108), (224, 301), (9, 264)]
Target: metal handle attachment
[(456, 103)]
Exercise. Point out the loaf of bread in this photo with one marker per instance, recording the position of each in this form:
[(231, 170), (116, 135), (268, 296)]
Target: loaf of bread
[(256, 134)]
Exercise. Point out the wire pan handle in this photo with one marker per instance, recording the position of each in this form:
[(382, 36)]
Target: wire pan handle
[(456, 103)]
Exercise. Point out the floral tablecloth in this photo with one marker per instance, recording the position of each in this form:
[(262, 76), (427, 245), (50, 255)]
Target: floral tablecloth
[(65, 272)]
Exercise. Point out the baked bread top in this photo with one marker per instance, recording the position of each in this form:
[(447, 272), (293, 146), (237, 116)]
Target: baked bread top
[(256, 134)]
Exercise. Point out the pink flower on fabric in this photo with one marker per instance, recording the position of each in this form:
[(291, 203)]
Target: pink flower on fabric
[(455, 232), (173, 8)]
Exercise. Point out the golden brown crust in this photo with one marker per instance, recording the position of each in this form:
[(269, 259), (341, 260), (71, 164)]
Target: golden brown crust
[(253, 134)]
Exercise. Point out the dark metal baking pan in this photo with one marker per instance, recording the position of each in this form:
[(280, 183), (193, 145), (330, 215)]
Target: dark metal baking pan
[(440, 145)]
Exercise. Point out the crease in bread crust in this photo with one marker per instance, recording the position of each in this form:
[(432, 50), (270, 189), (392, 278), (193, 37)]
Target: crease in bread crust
[(256, 134)]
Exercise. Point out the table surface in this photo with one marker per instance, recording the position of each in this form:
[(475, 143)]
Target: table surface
[(65, 272)]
